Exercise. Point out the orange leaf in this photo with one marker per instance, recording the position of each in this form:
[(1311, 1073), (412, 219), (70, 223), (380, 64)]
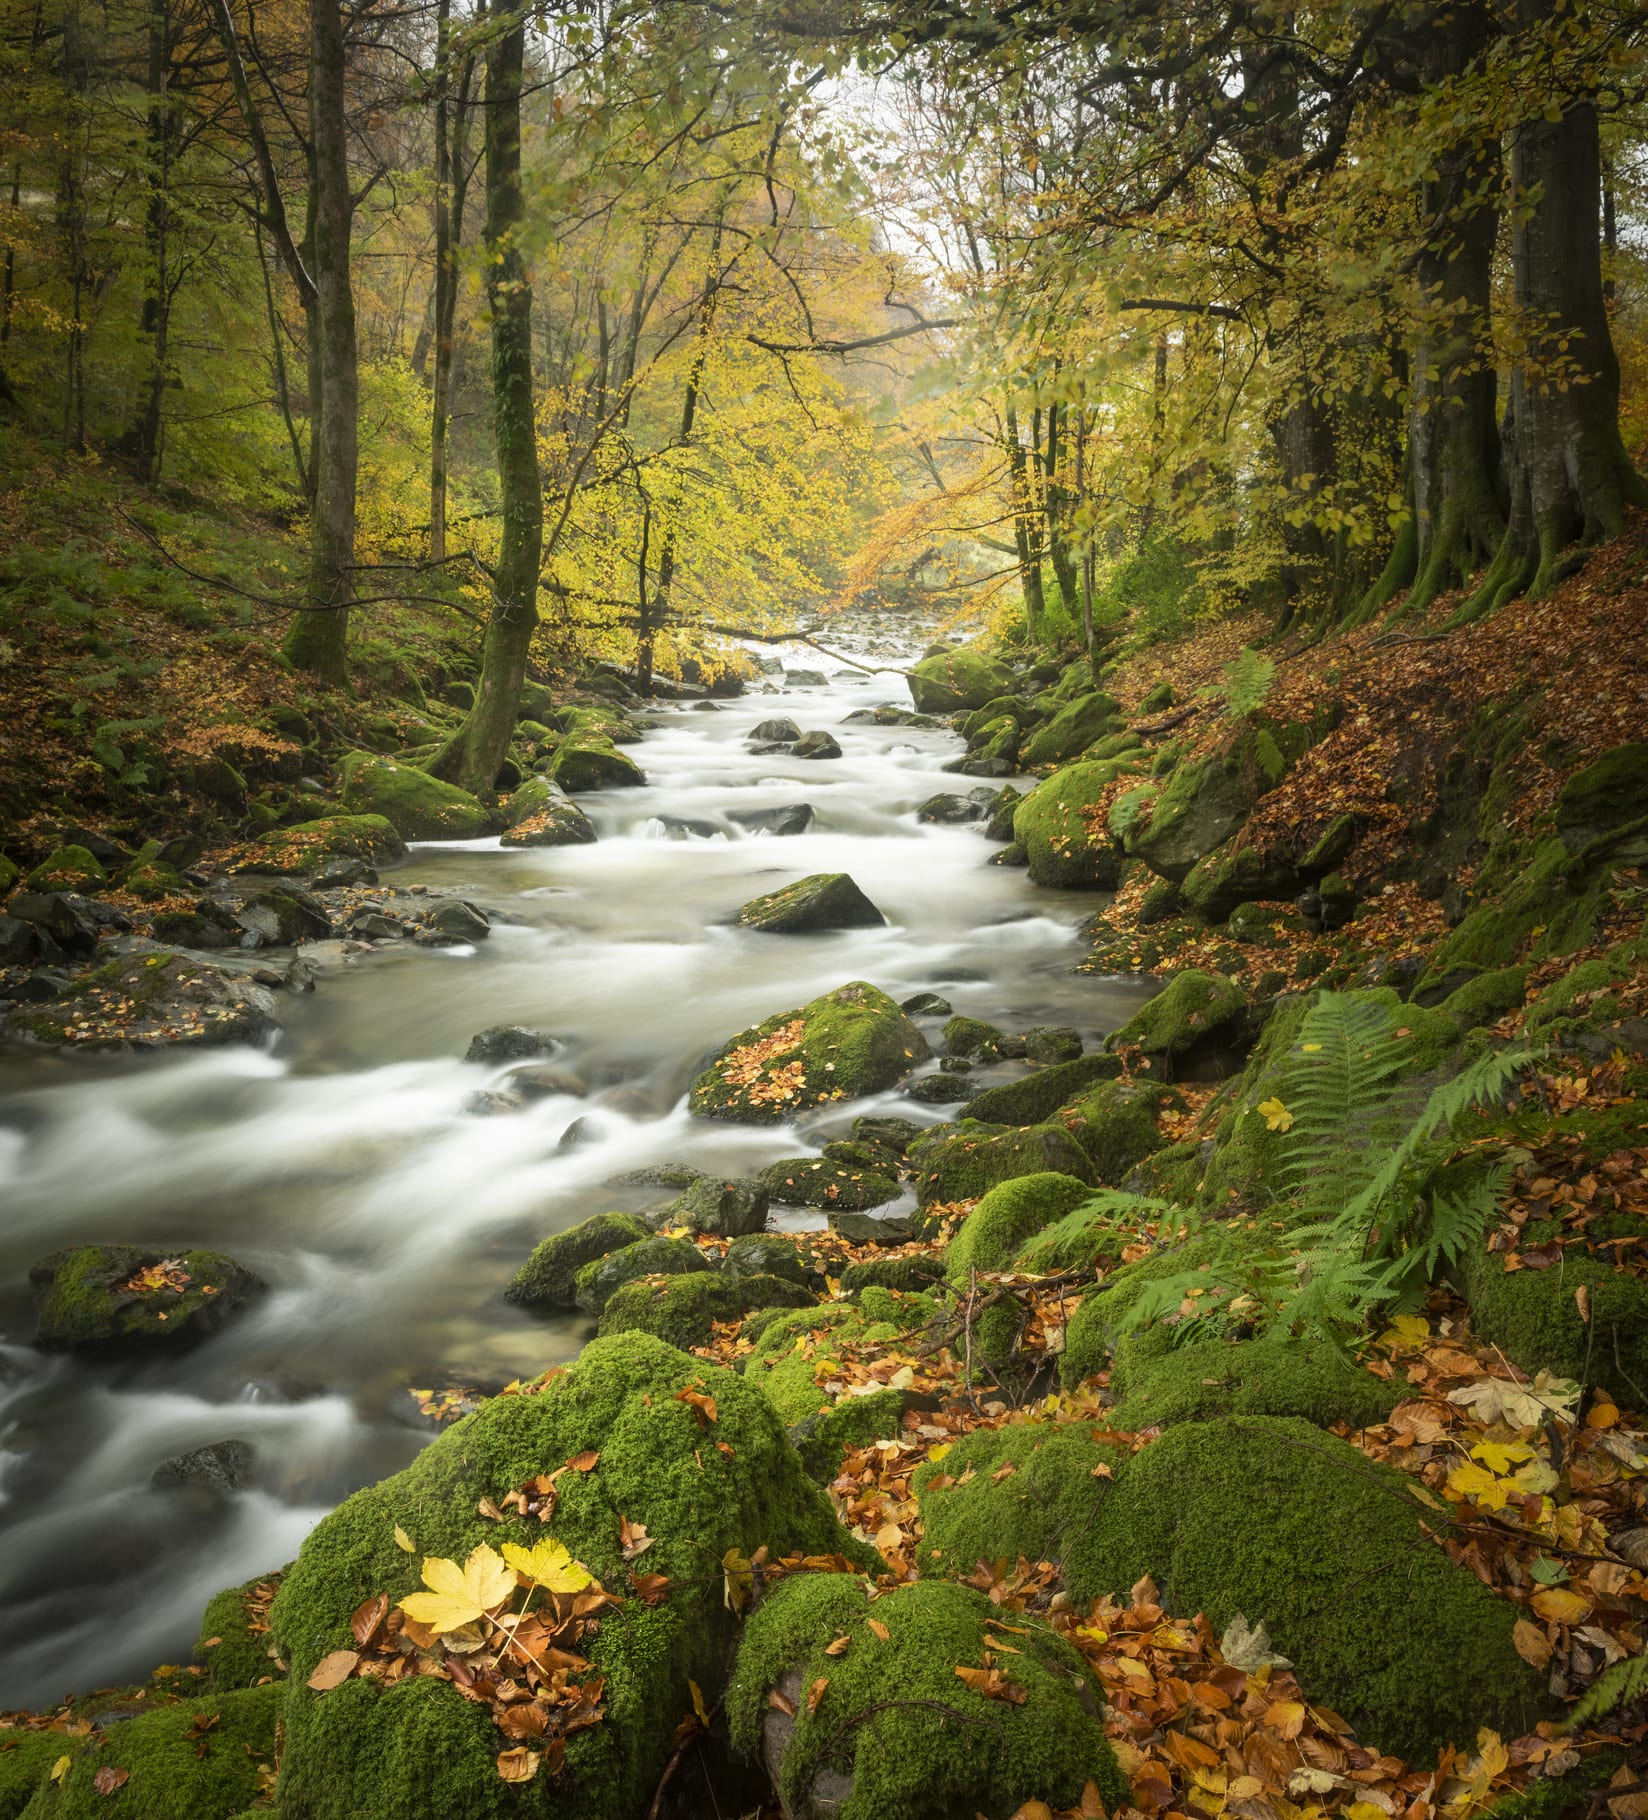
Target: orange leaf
[(815, 1693), (333, 1670), (879, 1628), (518, 1765), (583, 1462), (1532, 1645), (1285, 1717), (109, 1778)]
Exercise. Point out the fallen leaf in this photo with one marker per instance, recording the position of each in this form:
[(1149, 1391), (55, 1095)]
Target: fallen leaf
[(651, 1589), (1532, 1645), (60, 1768), (518, 1765), (1247, 1647), (839, 1647), (1559, 1606), (633, 1539), (333, 1670), (815, 1693), (109, 1778), (549, 1564), (738, 1579), (1276, 1115), (586, 1461), (460, 1595), (702, 1406), (879, 1628), (367, 1617), (779, 1704)]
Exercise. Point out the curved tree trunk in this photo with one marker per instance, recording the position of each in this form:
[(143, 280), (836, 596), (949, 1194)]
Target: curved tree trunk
[(318, 640), (473, 756)]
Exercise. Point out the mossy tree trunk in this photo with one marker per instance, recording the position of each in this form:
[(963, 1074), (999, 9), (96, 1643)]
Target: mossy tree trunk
[(318, 640), (473, 756), (1027, 527), (160, 138), (451, 189), (1570, 478)]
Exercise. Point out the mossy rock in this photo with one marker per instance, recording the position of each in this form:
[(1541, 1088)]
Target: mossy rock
[(1158, 1384), (416, 805), (1073, 729), (90, 1298), (786, 1351), (773, 1254), (683, 1309), (1202, 806), (895, 1732), (586, 761), (9, 874), (822, 1439), (847, 1043), (26, 1758), (952, 681), (1225, 879), (1038, 1096), (1044, 1493), (547, 1278), (1534, 1317), (540, 814), (1607, 795), (67, 869), (1099, 1321), (1116, 1125), (169, 1775), (910, 1274), (597, 1281), (1485, 999), (970, 1036), (230, 1652), (596, 723), (1552, 906), (1193, 1011), (992, 1234), (366, 1749), (811, 1181), (1271, 1519), (1059, 828), (827, 900), (966, 1164), (1015, 708), (303, 846)]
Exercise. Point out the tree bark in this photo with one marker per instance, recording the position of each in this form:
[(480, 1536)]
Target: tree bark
[(473, 756), (1570, 478), (1027, 529), (451, 185), (318, 640), (156, 317)]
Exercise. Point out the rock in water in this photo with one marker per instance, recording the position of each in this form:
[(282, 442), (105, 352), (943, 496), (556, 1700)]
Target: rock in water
[(546, 1279), (509, 1043), (791, 818), (154, 1001), (454, 923), (220, 1468), (779, 728), (103, 1298), (540, 814), (587, 761), (827, 900), (376, 1747), (850, 1042), (953, 680), (817, 745), (285, 917), (946, 807)]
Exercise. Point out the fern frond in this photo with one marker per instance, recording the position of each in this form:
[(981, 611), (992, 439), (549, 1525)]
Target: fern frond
[(1073, 1240), (1620, 1685)]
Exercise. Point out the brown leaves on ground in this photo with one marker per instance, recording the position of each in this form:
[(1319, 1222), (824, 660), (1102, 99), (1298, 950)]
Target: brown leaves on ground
[(166, 1273), (755, 1074)]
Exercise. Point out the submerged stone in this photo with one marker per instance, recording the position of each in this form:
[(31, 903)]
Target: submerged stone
[(827, 900), (547, 1278), (102, 1298), (790, 818)]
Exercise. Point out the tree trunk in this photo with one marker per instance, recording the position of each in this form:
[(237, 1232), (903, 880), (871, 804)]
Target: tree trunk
[(451, 184), (318, 640), (155, 322), (473, 756), (1570, 477), (1027, 533)]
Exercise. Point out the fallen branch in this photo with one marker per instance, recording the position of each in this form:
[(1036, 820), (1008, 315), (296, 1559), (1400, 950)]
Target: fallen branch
[(796, 638), (675, 1760), (1154, 728)]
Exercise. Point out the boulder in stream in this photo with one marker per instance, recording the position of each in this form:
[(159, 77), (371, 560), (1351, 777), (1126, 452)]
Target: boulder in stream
[(453, 923), (284, 917), (416, 805), (951, 681), (788, 818), (217, 1469), (375, 1746), (588, 761), (509, 1043), (540, 814), (114, 1298), (546, 1279), (827, 900), (720, 1206), (683, 1309), (780, 728), (307, 845), (1061, 827), (812, 1181), (946, 807), (817, 744), (598, 1281), (156, 1000), (845, 1044), (963, 1162)]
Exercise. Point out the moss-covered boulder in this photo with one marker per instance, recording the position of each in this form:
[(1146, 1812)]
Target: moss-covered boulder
[(587, 761), (815, 1181), (684, 1309), (1271, 1519), (848, 1043), (1116, 1124), (823, 1439), (991, 1235), (793, 1352), (305, 846), (1195, 1010), (596, 1282), (972, 1037), (827, 900), (364, 1748), (951, 681), (547, 1278), (1201, 807), (894, 1730), (207, 1759), (66, 869), (416, 805), (1158, 1384), (1039, 1095), (1000, 1494), (1608, 795), (540, 814), (1073, 729), (232, 1649), (157, 1000), (110, 1298), (961, 1164), (775, 1254), (1535, 1317), (1061, 827), (725, 1207)]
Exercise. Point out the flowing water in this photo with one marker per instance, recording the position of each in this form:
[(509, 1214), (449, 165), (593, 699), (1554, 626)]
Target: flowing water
[(386, 1219)]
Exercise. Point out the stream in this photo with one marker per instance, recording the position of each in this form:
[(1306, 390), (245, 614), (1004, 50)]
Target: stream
[(343, 1168)]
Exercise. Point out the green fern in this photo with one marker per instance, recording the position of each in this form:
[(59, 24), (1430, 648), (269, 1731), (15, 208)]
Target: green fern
[(1078, 1238), (1247, 682), (1622, 1684)]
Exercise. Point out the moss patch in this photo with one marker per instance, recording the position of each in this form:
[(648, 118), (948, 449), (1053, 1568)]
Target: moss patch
[(1116, 1125), (964, 1162), (1158, 1384), (1193, 1010), (304, 845), (1533, 1315), (1286, 1525), (1059, 828), (951, 681), (25, 1762), (229, 1648), (961, 1754), (684, 1309), (548, 1278), (1039, 1095), (67, 869), (416, 805), (108, 1297), (991, 1235)]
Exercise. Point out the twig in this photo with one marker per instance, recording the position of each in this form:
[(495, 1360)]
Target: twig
[(674, 1763), (1173, 720)]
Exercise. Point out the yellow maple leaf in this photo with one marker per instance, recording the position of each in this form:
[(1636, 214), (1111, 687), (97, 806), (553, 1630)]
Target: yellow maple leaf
[(459, 1595), (1480, 1485), (1276, 1115), (1502, 1456), (549, 1564)]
